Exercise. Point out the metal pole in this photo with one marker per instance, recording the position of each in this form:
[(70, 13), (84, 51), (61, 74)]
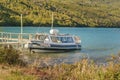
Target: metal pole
[(21, 25), (21, 32), (52, 21)]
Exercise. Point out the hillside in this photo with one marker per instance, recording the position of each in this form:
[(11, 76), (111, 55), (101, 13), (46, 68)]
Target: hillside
[(77, 13)]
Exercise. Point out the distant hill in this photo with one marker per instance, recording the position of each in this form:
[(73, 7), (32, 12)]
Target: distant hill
[(73, 13)]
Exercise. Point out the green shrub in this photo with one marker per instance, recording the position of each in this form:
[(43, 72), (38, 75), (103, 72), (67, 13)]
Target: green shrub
[(8, 55)]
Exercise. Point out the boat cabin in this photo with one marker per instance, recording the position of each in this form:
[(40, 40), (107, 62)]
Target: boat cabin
[(57, 38)]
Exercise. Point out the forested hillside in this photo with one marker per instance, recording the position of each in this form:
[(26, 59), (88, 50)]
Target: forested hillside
[(73, 13)]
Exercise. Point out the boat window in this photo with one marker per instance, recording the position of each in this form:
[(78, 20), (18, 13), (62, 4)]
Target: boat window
[(41, 37), (70, 39), (62, 39), (54, 39), (67, 39), (36, 36)]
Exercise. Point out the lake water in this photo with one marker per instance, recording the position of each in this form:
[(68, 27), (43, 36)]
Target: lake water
[(97, 43)]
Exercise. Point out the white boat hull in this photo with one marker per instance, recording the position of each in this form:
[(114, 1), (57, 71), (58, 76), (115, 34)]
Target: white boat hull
[(54, 49)]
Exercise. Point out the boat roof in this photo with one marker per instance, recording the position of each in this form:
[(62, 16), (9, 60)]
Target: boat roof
[(64, 35)]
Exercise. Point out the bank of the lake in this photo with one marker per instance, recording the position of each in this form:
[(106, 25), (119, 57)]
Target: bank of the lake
[(13, 67)]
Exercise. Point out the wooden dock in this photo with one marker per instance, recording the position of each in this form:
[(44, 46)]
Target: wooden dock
[(7, 38)]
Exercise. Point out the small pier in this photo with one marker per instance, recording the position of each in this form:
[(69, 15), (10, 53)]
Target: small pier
[(17, 40)]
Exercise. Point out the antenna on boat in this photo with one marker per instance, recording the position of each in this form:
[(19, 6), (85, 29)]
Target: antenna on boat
[(53, 31), (52, 21), (21, 25)]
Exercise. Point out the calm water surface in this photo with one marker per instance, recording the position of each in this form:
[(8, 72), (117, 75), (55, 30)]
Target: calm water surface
[(97, 43)]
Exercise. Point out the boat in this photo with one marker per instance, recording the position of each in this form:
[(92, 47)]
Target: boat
[(54, 42)]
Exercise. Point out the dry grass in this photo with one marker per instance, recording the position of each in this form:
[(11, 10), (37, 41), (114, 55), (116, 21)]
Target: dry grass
[(8, 72), (83, 70)]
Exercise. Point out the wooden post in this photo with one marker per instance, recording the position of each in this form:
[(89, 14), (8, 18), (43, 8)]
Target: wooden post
[(9, 36), (30, 36)]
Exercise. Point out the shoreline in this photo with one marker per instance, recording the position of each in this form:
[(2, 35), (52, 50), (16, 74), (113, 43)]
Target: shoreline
[(84, 69)]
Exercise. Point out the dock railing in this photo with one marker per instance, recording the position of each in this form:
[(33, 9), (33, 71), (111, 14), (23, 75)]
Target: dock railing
[(7, 38)]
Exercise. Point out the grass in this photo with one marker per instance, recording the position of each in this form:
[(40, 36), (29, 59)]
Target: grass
[(83, 70), (14, 73)]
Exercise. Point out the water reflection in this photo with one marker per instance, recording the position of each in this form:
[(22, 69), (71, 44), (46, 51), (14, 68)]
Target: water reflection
[(69, 57)]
